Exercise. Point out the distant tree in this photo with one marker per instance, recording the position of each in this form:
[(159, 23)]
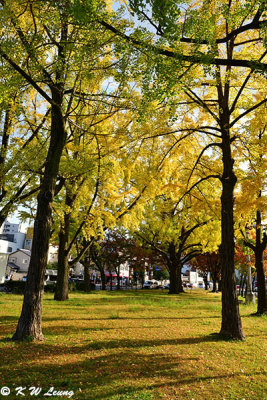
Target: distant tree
[(160, 274), (209, 262)]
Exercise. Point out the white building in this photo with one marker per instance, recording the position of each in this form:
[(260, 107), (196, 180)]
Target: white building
[(18, 264), (3, 264), (20, 259), (7, 247), (18, 238), (9, 227), (12, 233)]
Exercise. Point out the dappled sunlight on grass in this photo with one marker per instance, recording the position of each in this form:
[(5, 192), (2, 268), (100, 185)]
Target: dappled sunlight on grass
[(143, 345)]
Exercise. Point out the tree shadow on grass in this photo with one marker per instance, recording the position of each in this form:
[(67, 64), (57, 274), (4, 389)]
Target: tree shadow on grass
[(38, 350), (153, 318), (103, 376), (127, 318), (130, 343)]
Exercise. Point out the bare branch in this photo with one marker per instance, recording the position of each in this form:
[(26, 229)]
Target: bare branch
[(199, 157), (247, 112)]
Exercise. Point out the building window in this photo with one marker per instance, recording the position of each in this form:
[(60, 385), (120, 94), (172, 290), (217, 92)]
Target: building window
[(24, 261), (9, 249)]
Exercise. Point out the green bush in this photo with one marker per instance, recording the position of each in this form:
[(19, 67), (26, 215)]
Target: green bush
[(16, 287), (79, 285), (50, 288)]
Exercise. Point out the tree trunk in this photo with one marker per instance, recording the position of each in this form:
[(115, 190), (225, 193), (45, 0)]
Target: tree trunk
[(244, 284), (259, 265), (110, 283), (205, 279), (103, 278), (175, 270), (5, 135), (231, 322), (87, 280), (29, 324), (118, 280), (214, 283), (62, 285), (240, 284)]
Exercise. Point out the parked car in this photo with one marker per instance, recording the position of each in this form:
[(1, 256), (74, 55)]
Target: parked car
[(189, 285), (150, 284), (50, 277), (159, 286), (166, 286)]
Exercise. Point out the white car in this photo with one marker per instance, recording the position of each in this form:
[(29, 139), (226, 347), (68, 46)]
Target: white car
[(166, 286), (150, 285)]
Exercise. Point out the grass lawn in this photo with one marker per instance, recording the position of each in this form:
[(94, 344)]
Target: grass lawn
[(140, 345)]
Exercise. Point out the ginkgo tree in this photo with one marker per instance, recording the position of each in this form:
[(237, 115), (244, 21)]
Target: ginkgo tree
[(112, 175), (176, 223), (93, 189), (251, 199), (220, 36), (46, 48)]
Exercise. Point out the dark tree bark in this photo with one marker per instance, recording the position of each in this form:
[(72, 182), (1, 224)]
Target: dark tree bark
[(258, 249), (231, 326), (29, 324), (103, 278), (4, 146), (205, 279), (111, 280), (3, 154), (87, 280), (62, 285), (240, 284), (214, 282), (175, 270), (243, 287), (96, 258), (118, 279)]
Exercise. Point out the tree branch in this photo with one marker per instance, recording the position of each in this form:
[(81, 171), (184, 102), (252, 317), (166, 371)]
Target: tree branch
[(199, 157), (247, 112), (27, 77), (195, 59)]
